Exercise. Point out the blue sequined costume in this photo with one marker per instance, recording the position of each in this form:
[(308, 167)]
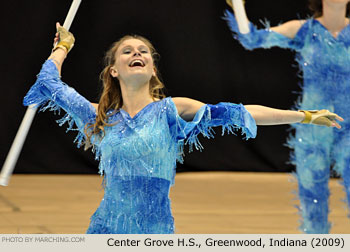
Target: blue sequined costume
[(325, 64), (137, 155)]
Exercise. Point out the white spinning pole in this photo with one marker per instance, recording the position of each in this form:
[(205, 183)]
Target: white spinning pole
[(241, 16), (22, 132)]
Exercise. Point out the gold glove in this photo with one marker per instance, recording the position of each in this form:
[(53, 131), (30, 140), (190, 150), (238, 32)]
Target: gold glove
[(65, 39), (321, 117)]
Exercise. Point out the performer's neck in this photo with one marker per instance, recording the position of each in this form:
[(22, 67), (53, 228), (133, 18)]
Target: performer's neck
[(334, 17)]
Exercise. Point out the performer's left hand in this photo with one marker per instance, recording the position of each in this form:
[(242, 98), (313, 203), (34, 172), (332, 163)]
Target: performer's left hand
[(322, 117)]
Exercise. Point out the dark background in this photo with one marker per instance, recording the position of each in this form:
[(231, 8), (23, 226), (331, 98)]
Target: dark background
[(199, 59)]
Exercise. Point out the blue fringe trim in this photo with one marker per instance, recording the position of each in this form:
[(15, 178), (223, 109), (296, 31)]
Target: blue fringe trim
[(231, 117), (52, 106)]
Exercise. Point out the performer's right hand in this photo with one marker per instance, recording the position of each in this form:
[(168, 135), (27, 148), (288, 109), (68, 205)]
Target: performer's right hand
[(63, 39)]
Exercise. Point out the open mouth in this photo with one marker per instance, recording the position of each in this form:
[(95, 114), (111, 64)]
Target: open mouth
[(137, 63)]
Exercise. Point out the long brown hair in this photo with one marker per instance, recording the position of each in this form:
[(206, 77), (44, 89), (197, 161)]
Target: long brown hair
[(316, 7), (111, 97)]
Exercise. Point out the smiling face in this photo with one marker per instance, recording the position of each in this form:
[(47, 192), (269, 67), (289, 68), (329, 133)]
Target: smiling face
[(133, 62)]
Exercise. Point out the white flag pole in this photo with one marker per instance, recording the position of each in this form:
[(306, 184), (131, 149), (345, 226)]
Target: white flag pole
[(22, 132)]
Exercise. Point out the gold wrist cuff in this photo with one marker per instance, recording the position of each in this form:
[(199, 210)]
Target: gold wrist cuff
[(65, 46), (308, 116)]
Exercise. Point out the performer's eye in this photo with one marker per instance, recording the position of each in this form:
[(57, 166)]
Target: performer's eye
[(126, 51)]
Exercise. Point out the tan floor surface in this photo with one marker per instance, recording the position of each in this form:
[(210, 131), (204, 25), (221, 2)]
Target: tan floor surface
[(205, 202)]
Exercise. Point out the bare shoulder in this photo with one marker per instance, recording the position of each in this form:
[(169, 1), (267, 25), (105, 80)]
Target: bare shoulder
[(95, 105), (187, 107), (290, 28)]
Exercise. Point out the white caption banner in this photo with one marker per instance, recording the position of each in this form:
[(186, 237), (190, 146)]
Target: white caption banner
[(177, 242)]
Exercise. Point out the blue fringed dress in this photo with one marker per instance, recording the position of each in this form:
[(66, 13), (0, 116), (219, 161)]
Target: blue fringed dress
[(325, 64), (137, 155)]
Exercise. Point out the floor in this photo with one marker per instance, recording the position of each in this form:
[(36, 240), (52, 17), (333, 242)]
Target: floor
[(204, 202)]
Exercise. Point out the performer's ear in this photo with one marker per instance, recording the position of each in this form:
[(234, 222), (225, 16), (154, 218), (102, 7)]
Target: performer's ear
[(113, 72)]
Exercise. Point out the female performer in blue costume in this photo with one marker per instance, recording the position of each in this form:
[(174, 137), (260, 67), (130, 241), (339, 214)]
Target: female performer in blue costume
[(138, 134), (322, 44)]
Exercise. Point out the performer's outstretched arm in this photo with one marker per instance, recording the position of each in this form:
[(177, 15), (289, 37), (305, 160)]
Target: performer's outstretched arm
[(281, 36), (49, 92), (187, 108), (270, 116)]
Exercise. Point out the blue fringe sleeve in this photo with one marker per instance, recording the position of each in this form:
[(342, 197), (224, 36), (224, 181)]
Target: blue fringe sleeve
[(231, 117), (49, 92), (258, 38)]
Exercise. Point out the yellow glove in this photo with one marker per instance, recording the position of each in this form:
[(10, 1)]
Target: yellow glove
[(65, 39), (321, 117)]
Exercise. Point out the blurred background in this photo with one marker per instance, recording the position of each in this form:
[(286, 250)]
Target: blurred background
[(199, 60)]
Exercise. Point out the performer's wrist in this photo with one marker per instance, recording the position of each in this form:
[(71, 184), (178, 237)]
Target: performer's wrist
[(307, 116), (62, 47), (58, 63)]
